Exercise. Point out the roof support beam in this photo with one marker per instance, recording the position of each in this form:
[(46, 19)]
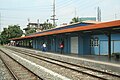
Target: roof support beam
[(108, 34), (109, 45)]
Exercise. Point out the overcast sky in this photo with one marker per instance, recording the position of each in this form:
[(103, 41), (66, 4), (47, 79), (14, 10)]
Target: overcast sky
[(18, 11)]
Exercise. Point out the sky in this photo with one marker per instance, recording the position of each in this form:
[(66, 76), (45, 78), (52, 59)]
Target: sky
[(14, 12)]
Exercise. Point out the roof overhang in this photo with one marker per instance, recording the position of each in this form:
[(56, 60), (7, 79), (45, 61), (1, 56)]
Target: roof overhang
[(106, 25)]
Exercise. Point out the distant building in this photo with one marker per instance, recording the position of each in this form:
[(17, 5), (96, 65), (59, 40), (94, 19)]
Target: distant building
[(87, 18), (35, 26)]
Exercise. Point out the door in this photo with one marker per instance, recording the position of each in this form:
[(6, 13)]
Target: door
[(103, 47), (74, 45)]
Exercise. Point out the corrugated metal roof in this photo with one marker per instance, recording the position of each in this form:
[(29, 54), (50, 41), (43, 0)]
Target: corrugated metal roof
[(73, 29), (92, 22)]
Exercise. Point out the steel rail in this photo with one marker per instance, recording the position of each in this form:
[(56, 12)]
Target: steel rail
[(114, 75), (39, 78), (10, 70)]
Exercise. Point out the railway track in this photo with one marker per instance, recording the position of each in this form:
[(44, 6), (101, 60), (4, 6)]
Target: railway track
[(17, 70), (80, 69)]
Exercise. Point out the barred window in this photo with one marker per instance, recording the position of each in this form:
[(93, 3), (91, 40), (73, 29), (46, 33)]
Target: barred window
[(96, 41), (92, 42)]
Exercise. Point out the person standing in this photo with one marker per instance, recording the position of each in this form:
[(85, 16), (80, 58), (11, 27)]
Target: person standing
[(44, 47), (62, 46)]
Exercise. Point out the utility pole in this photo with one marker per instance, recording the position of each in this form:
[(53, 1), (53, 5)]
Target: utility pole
[(115, 16), (38, 23), (28, 22), (98, 14), (75, 13), (53, 16)]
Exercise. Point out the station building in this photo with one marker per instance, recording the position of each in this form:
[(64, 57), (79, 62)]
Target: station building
[(81, 38)]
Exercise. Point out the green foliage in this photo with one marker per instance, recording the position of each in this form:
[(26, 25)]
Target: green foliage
[(47, 26), (30, 31), (12, 31), (75, 20)]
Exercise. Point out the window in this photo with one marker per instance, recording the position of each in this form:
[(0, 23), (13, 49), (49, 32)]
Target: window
[(92, 42), (96, 41)]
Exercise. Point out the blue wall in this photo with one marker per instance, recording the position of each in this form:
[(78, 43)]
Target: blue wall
[(34, 43), (80, 42), (116, 46), (86, 44), (53, 42), (102, 49)]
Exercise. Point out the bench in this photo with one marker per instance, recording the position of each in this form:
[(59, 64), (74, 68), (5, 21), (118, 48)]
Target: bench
[(116, 55)]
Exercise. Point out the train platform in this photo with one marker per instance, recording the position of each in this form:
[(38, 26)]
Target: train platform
[(102, 58), (98, 62)]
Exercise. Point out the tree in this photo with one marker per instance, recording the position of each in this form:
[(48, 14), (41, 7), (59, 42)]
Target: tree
[(4, 36), (47, 26), (13, 31), (30, 31), (75, 20)]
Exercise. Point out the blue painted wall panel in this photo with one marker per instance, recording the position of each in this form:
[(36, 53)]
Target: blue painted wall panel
[(34, 43), (66, 42), (115, 36), (49, 44), (69, 45), (53, 42), (116, 46), (80, 42), (86, 45), (101, 37), (96, 50), (104, 37), (104, 44), (103, 47), (38, 44), (57, 44)]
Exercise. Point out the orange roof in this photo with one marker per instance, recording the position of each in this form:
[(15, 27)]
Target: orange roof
[(81, 28)]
